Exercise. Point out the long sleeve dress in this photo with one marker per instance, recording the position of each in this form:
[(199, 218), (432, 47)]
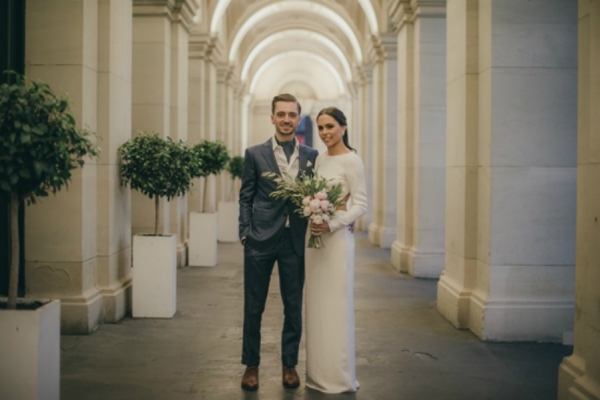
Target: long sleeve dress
[(330, 346)]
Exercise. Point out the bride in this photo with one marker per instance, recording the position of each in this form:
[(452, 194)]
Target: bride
[(330, 350)]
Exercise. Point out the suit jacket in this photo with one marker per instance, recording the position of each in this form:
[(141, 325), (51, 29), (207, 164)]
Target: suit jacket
[(262, 218)]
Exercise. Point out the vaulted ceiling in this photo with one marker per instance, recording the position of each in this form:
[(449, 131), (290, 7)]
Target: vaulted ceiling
[(317, 47)]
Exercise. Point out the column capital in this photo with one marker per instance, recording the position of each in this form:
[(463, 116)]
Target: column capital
[(205, 47), (384, 47), (400, 12), (225, 73), (365, 74), (429, 8), (182, 11)]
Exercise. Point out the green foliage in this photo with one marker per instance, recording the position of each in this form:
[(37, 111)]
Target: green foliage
[(39, 142), (158, 167), (213, 156), (305, 185), (235, 167)]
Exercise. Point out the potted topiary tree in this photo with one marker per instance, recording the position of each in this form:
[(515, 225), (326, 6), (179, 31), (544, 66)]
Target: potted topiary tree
[(159, 168), (204, 228), (229, 211), (41, 146)]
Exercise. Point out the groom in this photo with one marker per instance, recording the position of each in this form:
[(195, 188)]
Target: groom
[(271, 231)]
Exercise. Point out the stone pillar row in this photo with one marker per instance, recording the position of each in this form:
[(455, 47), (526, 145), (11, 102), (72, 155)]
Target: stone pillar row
[(511, 169), (421, 34)]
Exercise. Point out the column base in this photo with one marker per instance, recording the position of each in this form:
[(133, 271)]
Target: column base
[(81, 314), (521, 320), (585, 388), (571, 369), (381, 236), (116, 301), (415, 263), (399, 252), (573, 383), (453, 302)]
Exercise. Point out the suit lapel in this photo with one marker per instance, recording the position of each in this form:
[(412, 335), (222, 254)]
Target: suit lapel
[(302, 160), (269, 156)]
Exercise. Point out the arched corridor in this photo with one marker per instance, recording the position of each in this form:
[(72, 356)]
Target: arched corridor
[(405, 348), (476, 122)]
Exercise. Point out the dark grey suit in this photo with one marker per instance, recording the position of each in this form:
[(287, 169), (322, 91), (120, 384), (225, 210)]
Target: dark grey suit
[(262, 224)]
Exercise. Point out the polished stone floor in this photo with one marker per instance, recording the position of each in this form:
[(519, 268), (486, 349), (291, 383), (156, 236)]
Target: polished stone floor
[(405, 349)]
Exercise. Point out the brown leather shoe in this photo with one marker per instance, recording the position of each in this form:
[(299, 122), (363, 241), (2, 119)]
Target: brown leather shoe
[(290, 377), (250, 379)]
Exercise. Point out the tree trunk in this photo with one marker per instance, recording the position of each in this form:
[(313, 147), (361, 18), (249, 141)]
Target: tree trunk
[(156, 206), (13, 280), (204, 194)]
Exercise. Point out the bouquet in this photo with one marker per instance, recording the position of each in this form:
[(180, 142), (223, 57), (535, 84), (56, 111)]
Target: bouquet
[(314, 200)]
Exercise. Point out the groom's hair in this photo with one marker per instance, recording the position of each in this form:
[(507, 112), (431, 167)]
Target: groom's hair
[(287, 98)]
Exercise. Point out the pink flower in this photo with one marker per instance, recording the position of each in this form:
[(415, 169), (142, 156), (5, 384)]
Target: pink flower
[(306, 211), (324, 205), (321, 195), (306, 201), (315, 205), (317, 219)]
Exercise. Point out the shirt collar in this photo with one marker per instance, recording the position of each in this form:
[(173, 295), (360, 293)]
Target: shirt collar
[(275, 144)]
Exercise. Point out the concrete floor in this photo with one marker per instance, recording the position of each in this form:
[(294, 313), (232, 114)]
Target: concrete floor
[(405, 349)]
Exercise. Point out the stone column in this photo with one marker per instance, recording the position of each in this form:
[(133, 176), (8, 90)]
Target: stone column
[(579, 374), (61, 236), (182, 15), (160, 59), (511, 169), (419, 246), (382, 231), (362, 135), (223, 118), (114, 128), (151, 95), (367, 142), (204, 53)]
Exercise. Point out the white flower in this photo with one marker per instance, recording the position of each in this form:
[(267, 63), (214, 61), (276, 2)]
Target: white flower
[(315, 205), (324, 205), (306, 200), (321, 195), (317, 219), (306, 211)]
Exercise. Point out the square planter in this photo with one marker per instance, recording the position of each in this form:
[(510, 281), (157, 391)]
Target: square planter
[(154, 272), (229, 212), (203, 240), (30, 352)]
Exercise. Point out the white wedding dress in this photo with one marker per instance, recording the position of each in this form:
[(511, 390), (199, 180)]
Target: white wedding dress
[(330, 349)]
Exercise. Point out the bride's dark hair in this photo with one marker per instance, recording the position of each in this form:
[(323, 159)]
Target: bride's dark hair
[(339, 116)]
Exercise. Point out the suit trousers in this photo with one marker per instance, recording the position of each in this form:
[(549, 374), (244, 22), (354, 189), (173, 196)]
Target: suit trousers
[(258, 268)]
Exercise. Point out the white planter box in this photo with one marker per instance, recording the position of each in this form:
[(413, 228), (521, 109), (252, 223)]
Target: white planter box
[(30, 352), (229, 212), (154, 276), (203, 240)]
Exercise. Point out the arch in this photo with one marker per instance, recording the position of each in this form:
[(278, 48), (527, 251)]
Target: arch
[(369, 11), (296, 5), (301, 53), (220, 9), (318, 37), (366, 6)]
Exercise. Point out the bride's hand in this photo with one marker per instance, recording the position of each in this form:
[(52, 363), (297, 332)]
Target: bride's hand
[(319, 229)]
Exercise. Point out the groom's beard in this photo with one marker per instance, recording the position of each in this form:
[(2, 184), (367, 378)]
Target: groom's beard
[(287, 133)]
